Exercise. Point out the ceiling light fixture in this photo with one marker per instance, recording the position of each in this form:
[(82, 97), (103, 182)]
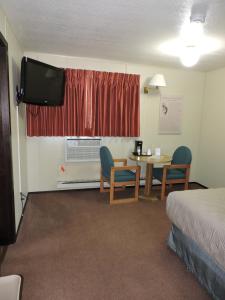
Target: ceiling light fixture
[(192, 43), (189, 56), (192, 35)]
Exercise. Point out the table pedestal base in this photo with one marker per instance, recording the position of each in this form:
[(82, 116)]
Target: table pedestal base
[(151, 197), (148, 194), (150, 161)]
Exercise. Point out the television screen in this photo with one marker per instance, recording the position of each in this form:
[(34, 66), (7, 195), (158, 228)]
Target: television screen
[(41, 84)]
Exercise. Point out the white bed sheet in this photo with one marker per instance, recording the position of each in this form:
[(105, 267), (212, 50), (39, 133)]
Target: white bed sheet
[(200, 214)]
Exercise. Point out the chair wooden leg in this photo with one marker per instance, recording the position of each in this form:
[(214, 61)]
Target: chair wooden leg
[(136, 193), (137, 185), (101, 183), (112, 187), (102, 188), (111, 194), (187, 179), (163, 191), (186, 185)]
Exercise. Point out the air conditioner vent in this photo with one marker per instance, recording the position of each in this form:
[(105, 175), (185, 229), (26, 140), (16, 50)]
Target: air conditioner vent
[(82, 149)]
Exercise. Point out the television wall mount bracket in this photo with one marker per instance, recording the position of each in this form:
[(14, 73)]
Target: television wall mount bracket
[(19, 95)]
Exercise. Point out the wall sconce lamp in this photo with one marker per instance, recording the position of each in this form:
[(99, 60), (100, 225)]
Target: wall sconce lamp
[(156, 81)]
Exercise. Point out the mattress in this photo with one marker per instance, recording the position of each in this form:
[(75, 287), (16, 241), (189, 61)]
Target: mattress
[(208, 273), (200, 214)]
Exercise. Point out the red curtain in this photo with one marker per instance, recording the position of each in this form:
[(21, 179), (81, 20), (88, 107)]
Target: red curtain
[(95, 104)]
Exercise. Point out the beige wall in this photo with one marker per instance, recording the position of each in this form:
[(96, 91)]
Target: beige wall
[(211, 162), (15, 53), (46, 154)]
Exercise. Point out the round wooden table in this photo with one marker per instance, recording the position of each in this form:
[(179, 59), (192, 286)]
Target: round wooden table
[(150, 161)]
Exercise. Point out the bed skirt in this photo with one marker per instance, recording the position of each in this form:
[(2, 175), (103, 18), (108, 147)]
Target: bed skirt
[(209, 274)]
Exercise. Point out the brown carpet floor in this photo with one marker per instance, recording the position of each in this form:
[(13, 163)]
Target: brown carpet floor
[(73, 245)]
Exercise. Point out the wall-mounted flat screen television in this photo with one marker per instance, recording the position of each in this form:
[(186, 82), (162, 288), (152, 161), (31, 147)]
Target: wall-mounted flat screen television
[(41, 84)]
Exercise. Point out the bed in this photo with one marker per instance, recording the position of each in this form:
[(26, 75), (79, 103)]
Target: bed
[(197, 235)]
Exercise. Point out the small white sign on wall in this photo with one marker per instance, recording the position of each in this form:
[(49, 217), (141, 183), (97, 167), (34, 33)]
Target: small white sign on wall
[(170, 115)]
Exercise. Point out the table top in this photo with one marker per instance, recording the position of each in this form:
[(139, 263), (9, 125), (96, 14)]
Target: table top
[(154, 159)]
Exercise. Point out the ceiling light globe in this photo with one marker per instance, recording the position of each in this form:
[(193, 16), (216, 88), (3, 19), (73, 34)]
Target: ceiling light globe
[(189, 57)]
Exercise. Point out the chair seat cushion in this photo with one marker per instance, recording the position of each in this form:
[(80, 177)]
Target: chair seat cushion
[(126, 175), (171, 174)]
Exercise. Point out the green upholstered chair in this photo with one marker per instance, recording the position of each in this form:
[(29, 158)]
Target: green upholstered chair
[(117, 176), (177, 172)]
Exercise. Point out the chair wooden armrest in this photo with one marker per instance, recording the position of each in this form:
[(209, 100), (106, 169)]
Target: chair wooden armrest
[(181, 166), (125, 168), (123, 160)]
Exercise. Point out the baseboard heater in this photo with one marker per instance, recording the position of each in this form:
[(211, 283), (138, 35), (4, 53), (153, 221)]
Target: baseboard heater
[(87, 184)]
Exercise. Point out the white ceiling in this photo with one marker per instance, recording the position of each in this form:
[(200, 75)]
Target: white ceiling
[(124, 30)]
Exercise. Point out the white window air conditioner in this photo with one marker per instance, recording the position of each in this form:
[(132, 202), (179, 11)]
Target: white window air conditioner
[(82, 149)]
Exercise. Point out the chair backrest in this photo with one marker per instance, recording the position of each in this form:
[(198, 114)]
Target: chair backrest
[(182, 155), (106, 161)]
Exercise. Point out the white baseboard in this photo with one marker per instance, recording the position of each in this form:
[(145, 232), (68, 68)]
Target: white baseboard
[(73, 185)]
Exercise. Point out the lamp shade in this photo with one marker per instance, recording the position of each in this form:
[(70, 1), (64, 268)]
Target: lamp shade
[(157, 80)]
